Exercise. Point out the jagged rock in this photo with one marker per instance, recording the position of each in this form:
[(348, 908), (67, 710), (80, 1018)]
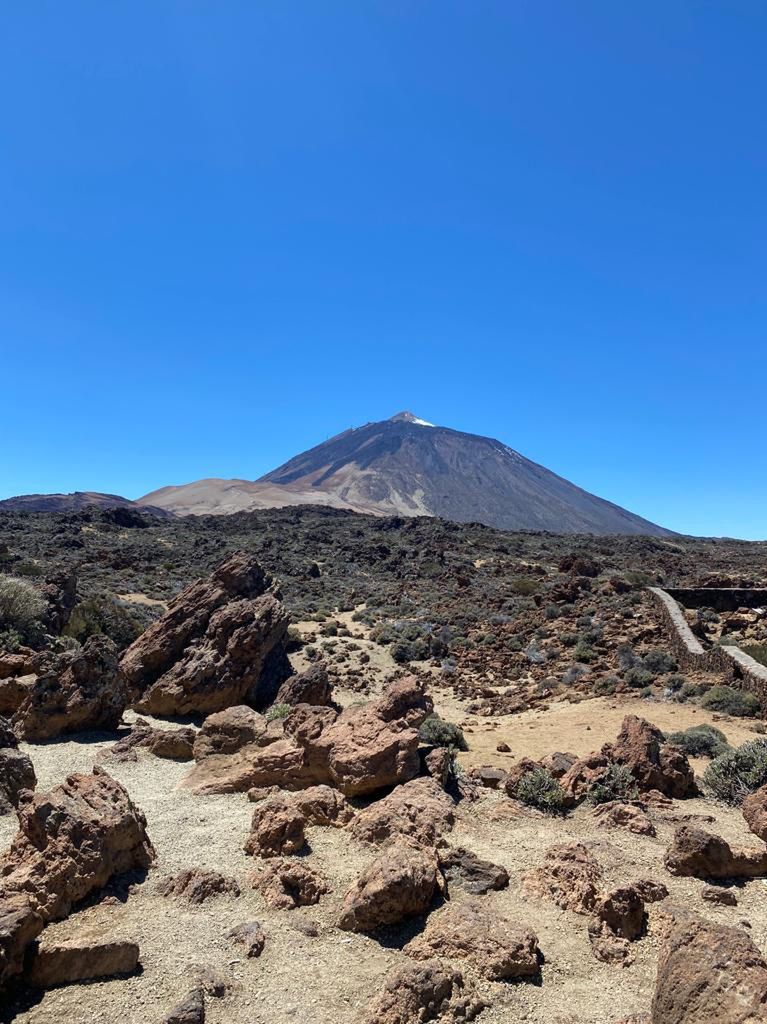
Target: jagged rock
[(650, 890), (569, 876), (277, 828), (60, 593), (437, 764), (322, 805), (286, 883), (72, 840), (399, 883), (431, 991), (358, 751), (228, 731), (474, 932), (488, 777), (619, 919), (79, 959), (172, 744), (708, 972), (721, 897), (466, 870), (16, 771), (14, 690), (211, 647), (582, 774), (616, 814), (191, 1009), (249, 935), (754, 809), (198, 885), (558, 763), (654, 763), (309, 687), (420, 808), (83, 689), (700, 854)]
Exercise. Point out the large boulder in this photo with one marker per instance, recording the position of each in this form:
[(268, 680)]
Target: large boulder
[(699, 854), (488, 942), (708, 972), (82, 689), (278, 827), (654, 763), (399, 883), (309, 687), (420, 808), (16, 771), (227, 731), (72, 840), (432, 991), (359, 751), (212, 646)]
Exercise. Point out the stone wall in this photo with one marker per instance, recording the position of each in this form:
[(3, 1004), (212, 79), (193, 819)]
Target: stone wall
[(737, 667), (722, 599)]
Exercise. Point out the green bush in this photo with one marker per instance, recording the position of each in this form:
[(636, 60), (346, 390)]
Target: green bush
[(278, 711), (733, 775), (103, 615), (438, 733), (638, 678), (658, 662), (584, 652), (21, 608), (730, 701), (700, 741), (617, 783), (540, 789)]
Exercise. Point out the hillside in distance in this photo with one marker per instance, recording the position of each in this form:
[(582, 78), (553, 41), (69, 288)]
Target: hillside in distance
[(76, 501), (407, 466)]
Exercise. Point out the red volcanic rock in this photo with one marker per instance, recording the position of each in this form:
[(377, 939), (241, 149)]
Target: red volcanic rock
[(211, 647), (754, 809), (79, 959), (420, 809), (700, 854), (277, 828), (286, 882), (16, 771), (425, 992), (569, 877), (309, 687), (228, 731), (198, 885), (653, 763)]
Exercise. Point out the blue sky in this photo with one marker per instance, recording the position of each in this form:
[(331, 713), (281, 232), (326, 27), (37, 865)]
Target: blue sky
[(230, 230)]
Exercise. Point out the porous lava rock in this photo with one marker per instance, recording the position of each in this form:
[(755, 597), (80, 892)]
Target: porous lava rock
[(619, 919), (81, 690), (654, 763), (431, 991), (227, 731), (209, 650), (617, 814), (323, 805), (16, 770), (399, 883), (754, 809), (250, 936), (472, 931), (198, 885), (420, 809), (569, 876), (309, 687), (277, 828), (171, 744), (465, 870), (287, 882), (696, 853), (189, 1010)]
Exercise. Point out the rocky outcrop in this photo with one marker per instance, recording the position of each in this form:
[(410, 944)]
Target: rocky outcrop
[(198, 885), (358, 751), (700, 854), (227, 731), (569, 877), (16, 771), (80, 959), (83, 689), (431, 991), (399, 883), (420, 809), (277, 828), (754, 809), (465, 870), (286, 882), (209, 650), (309, 687), (488, 942), (708, 972), (72, 840), (654, 763)]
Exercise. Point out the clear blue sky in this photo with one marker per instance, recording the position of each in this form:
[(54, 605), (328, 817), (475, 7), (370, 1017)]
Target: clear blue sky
[(231, 229)]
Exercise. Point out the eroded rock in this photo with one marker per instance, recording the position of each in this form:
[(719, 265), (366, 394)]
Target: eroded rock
[(569, 877), (79, 959), (250, 936), (420, 809), (616, 814), (288, 882), (16, 770), (431, 991), (700, 854), (198, 885), (465, 870), (277, 828), (227, 731)]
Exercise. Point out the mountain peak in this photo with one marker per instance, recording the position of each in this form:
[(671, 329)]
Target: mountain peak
[(409, 417)]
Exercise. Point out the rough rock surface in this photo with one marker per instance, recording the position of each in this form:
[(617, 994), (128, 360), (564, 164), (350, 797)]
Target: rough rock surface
[(473, 931), (190, 1010), (250, 936), (399, 883), (619, 919), (654, 763), (616, 814), (708, 972), (700, 854), (465, 870), (173, 744), (569, 876), (198, 885), (323, 805), (72, 840), (309, 687), (360, 750), (227, 731), (277, 828), (424, 992), (62, 963), (288, 882), (755, 812), (420, 809), (210, 648), (16, 771), (83, 689)]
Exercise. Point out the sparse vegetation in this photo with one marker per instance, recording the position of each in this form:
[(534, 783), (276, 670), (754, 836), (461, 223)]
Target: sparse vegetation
[(21, 609), (278, 711), (617, 783), (539, 789), (700, 741), (736, 773), (729, 701), (438, 733)]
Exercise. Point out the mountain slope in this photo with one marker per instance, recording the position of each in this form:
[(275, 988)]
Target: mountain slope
[(407, 466), (74, 502)]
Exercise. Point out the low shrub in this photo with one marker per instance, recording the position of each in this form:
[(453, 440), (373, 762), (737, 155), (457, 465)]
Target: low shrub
[(637, 678), (733, 775), (617, 783), (278, 711), (658, 662), (700, 741), (21, 606), (730, 701), (606, 686), (438, 733), (540, 789)]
